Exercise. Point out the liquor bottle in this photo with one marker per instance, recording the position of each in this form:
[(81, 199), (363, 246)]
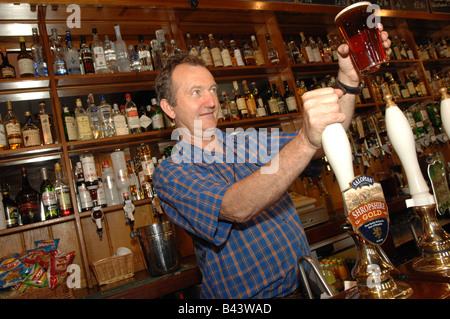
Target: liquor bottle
[(272, 54), (109, 185), (106, 115), (86, 56), (132, 115), (110, 55), (306, 49), (410, 86), (27, 200), (280, 100), (416, 84), (135, 63), (90, 175), (62, 192), (120, 121), (404, 91), (123, 60), (45, 125), (84, 195), (225, 110), (174, 48), (156, 114), (409, 52), (290, 99), (257, 52), (333, 45), (144, 54), (30, 132), (393, 86), (249, 100), (7, 71), (148, 169), (144, 118), (3, 139), (233, 112), (95, 118), (49, 204), (225, 53), (247, 53), (70, 125), (25, 60), (190, 47), (272, 101), (315, 50), (215, 52), (121, 174), (301, 87), (395, 48), (421, 86), (11, 210), (236, 54), (98, 51), (72, 56), (205, 53), (83, 122), (134, 169), (101, 197), (156, 54), (240, 101), (40, 66), (12, 126), (59, 64), (295, 51), (164, 48)]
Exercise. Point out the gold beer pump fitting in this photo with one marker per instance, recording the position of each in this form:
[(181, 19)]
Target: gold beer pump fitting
[(444, 94), (389, 102)]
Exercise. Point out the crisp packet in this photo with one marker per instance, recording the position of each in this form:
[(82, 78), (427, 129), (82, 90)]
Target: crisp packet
[(53, 243), (37, 277)]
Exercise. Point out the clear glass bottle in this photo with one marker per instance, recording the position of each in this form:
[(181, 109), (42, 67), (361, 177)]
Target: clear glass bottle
[(156, 114), (306, 49), (247, 52), (289, 98), (132, 115), (123, 60), (205, 53), (62, 192), (72, 57), (106, 114), (83, 122), (234, 113), (95, 118), (133, 169), (110, 55), (98, 51), (84, 195), (174, 48), (280, 100), (57, 49), (249, 100), (37, 51), (147, 169), (25, 60), (70, 125), (11, 210), (86, 56), (49, 204), (144, 118), (12, 126), (30, 132), (144, 54), (190, 47), (110, 185), (135, 62), (90, 175), (240, 101), (272, 101), (120, 121), (225, 53), (45, 125), (257, 52), (7, 71), (27, 200), (215, 52), (236, 54), (3, 139), (272, 54)]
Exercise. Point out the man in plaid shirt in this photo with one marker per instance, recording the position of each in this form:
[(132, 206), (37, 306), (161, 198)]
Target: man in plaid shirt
[(229, 191)]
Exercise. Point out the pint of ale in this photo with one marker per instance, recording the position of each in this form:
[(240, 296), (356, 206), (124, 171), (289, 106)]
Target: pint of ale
[(359, 29)]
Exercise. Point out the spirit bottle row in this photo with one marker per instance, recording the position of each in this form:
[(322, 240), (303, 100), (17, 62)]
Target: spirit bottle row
[(302, 50), (14, 135), (103, 120), (51, 200)]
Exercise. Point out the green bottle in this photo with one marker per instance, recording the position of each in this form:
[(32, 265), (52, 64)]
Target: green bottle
[(49, 205)]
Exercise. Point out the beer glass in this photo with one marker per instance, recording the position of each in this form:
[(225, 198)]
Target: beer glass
[(358, 26)]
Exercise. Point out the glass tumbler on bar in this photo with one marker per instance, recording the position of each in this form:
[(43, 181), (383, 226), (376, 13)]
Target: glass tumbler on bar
[(358, 25)]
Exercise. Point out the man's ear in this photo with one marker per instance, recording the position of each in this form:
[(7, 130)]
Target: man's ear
[(167, 108)]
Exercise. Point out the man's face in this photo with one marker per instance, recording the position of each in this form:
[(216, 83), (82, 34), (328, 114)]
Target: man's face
[(196, 98)]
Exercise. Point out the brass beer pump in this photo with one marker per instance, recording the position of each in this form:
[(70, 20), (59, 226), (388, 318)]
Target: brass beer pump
[(434, 243), (372, 269)]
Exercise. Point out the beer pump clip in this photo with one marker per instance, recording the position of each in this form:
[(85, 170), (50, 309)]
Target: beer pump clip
[(434, 243), (367, 221)]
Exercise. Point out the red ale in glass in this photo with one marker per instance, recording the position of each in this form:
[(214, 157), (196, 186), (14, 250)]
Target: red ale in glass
[(358, 26)]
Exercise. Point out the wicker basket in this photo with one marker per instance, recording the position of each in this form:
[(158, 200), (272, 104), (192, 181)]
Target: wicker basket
[(113, 269), (60, 292)]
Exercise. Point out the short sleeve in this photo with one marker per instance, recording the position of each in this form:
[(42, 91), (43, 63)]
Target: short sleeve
[(191, 197)]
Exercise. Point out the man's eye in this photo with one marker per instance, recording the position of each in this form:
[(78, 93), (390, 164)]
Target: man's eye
[(196, 92)]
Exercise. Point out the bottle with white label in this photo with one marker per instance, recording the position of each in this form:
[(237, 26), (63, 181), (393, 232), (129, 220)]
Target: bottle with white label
[(30, 132), (3, 140), (95, 118), (83, 123), (100, 65), (49, 205), (25, 60), (289, 98), (106, 115), (110, 185), (120, 121), (132, 114), (12, 127), (85, 199), (156, 115), (205, 53), (70, 125), (215, 52), (225, 53), (45, 124)]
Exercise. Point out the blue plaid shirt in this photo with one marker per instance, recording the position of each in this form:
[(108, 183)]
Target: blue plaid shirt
[(257, 259)]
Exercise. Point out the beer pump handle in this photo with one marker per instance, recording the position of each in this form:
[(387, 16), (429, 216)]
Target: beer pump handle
[(402, 139), (339, 154), (445, 110)]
